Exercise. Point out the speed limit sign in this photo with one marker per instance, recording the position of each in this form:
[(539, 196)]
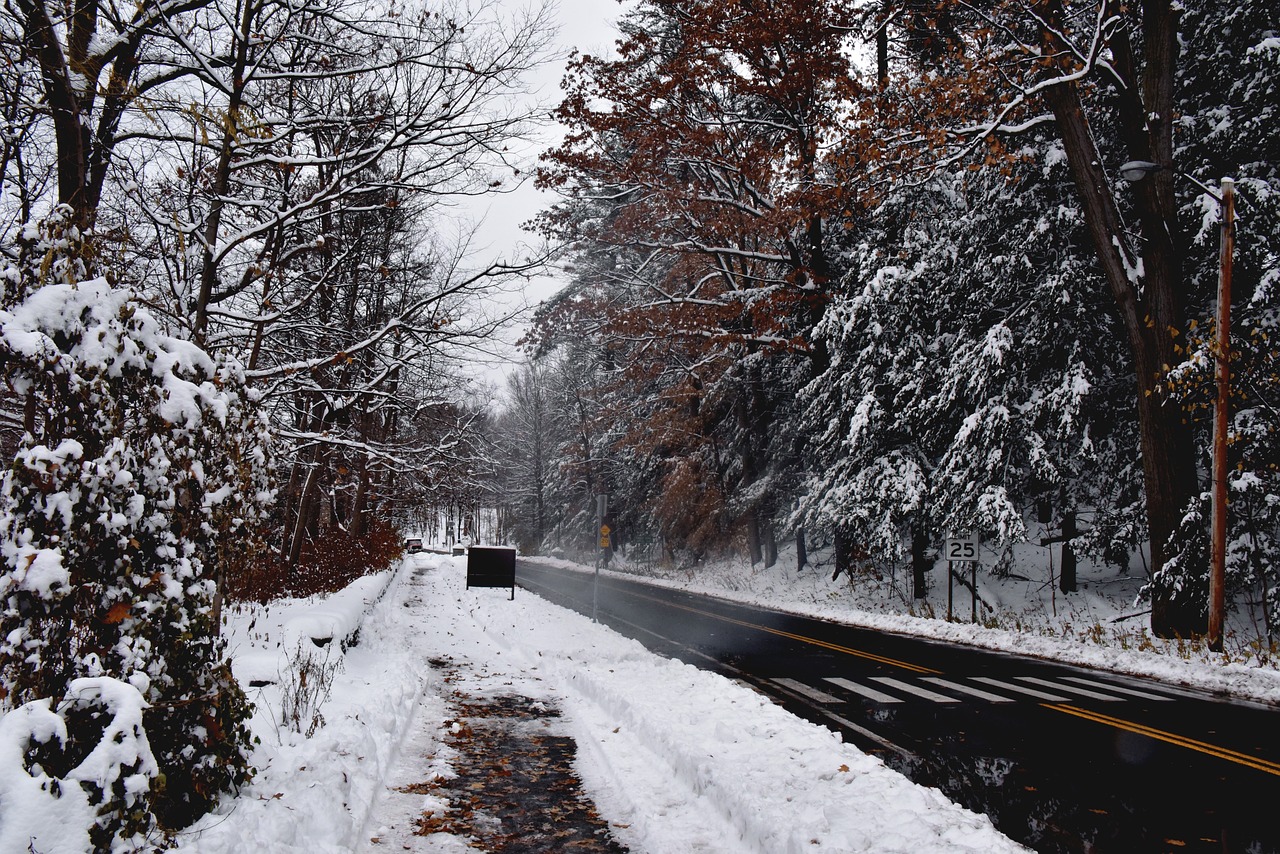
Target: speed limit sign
[(964, 547)]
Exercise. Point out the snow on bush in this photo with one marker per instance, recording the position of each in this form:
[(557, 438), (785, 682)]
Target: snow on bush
[(140, 473), (97, 804)]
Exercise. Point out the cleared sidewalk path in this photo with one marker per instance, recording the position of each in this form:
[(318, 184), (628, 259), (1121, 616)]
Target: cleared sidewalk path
[(515, 789), (485, 767)]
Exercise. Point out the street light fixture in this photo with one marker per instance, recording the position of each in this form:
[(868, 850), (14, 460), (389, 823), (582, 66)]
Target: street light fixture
[(1136, 170)]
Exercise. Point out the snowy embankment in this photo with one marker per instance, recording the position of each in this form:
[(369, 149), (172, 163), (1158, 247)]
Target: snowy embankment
[(675, 758), (313, 794), (263, 639), (1073, 631)]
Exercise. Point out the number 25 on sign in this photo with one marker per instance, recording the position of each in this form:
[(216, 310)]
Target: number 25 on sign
[(963, 547)]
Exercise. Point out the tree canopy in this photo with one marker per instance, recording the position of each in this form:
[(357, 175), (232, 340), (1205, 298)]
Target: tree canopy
[(870, 272)]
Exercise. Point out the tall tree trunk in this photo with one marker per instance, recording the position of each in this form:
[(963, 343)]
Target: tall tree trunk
[(358, 523), (919, 561), (844, 555), (802, 553), (539, 480), (1148, 302), (73, 90), (288, 503), (308, 503), (753, 538), (1067, 575), (222, 177), (770, 547)]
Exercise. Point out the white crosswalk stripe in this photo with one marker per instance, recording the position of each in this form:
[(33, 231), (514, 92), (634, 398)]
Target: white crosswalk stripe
[(806, 690), (1120, 689), (866, 733), (1072, 689), (1022, 689), (925, 693), (968, 689), (869, 693)]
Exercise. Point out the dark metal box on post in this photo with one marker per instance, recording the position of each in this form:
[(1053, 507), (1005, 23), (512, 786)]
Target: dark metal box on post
[(491, 566)]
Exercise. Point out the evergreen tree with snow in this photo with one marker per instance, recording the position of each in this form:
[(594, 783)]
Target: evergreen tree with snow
[(970, 376)]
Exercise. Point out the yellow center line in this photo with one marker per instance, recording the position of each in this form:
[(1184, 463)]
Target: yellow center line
[(1096, 717), (835, 647), (1171, 738)]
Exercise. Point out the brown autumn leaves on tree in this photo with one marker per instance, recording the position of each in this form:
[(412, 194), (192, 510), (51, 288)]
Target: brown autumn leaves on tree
[(700, 180), (715, 164)]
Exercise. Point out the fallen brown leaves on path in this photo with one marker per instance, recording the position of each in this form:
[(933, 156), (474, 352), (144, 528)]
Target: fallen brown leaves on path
[(515, 791)]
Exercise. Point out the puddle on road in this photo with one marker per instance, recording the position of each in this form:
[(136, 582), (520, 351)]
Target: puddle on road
[(1086, 806)]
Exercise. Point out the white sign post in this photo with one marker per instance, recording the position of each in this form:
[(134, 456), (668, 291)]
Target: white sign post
[(962, 547)]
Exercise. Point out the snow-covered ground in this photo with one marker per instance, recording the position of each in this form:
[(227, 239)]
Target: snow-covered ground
[(676, 759)]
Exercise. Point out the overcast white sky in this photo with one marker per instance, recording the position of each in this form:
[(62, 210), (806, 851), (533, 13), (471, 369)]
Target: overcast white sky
[(584, 25)]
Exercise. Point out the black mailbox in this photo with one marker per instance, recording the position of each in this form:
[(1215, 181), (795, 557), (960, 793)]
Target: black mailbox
[(491, 566)]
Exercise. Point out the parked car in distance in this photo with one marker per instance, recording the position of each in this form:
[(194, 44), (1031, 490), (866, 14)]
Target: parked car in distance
[(413, 545)]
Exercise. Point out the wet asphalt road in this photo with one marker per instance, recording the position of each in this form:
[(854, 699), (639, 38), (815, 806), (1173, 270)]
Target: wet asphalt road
[(1061, 758)]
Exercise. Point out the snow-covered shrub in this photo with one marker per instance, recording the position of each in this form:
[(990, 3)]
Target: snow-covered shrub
[(141, 466), (305, 686), (60, 794)]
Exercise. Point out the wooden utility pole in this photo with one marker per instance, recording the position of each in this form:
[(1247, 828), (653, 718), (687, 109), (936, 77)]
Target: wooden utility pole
[(1218, 547)]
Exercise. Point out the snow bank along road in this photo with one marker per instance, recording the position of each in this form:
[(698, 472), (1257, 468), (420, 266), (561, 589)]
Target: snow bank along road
[(1061, 758), (677, 760)]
